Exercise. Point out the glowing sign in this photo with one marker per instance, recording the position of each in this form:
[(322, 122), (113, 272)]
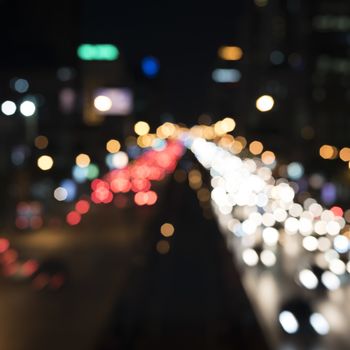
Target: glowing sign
[(98, 52), (119, 100)]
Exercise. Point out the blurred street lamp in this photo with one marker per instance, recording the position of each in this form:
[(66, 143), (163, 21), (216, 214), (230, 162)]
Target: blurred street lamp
[(141, 128), (103, 103), (21, 85), (82, 160), (45, 162), (230, 53), (27, 108), (265, 103), (224, 75), (8, 108), (113, 146)]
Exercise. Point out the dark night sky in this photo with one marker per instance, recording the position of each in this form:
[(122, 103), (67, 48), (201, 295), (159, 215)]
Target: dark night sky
[(154, 25), (184, 37)]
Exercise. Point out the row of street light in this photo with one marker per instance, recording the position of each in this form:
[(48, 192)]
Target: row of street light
[(27, 108)]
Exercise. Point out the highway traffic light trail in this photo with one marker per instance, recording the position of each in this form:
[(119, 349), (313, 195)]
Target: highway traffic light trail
[(260, 215)]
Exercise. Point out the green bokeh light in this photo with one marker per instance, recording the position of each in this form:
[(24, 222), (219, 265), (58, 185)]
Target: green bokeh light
[(92, 172), (98, 52)]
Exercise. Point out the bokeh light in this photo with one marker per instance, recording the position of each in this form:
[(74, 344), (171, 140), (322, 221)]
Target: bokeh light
[(73, 218), (113, 146), (256, 147), (27, 108), (167, 230), (265, 103), (344, 154), (163, 247), (120, 160), (41, 142), (295, 170), (82, 160), (21, 85), (45, 162), (150, 66), (60, 194), (230, 53), (328, 152), (102, 103), (71, 189), (8, 108), (268, 157), (98, 52), (82, 206), (141, 128)]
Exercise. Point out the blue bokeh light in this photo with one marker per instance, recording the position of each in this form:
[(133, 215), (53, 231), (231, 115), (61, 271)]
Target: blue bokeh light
[(71, 188), (150, 66)]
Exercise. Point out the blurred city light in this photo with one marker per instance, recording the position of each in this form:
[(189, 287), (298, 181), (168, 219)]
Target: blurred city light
[(98, 52), (113, 101), (256, 147), (82, 160), (265, 103), (228, 124), (41, 142), (27, 108), (45, 162), (113, 146), (268, 157), (308, 279), (21, 85), (103, 103), (60, 194), (330, 280), (73, 218), (277, 57), (65, 73), (344, 154), (288, 322), (67, 99), (120, 160), (150, 66), (79, 174), (163, 247), (250, 257), (92, 171), (268, 258), (167, 230), (226, 75), (319, 324), (295, 170), (282, 210), (145, 198), (230, 53), (70, 187), (141, 128), (328, 152), (82, 206), (328, 193), (19, 154), (8, 108)]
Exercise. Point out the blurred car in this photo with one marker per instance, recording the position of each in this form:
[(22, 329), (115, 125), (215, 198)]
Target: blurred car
[(298, 316)]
